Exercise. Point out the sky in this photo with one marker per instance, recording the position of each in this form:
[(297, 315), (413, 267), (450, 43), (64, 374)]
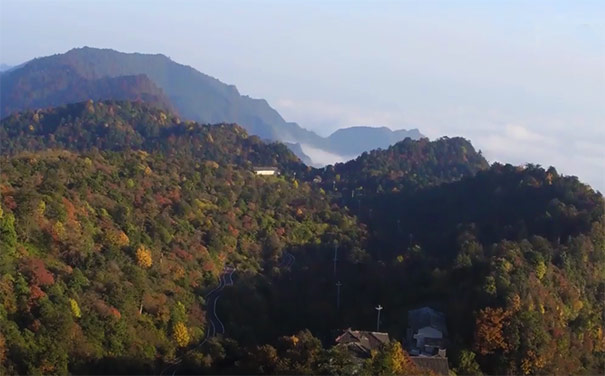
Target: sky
[(523, 80)]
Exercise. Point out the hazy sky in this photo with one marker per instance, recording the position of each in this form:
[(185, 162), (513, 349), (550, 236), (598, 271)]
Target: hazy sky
[(524, 81)]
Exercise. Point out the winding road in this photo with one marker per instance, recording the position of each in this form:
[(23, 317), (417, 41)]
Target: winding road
[(225, 279), (287, 260), (215, 325)]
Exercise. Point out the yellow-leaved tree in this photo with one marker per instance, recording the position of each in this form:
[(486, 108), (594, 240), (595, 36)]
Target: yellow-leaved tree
[(144, 259), (180, 334), (75, 308)]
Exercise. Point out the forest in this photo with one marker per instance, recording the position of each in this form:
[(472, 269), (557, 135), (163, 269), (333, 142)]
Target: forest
[(117, 219)]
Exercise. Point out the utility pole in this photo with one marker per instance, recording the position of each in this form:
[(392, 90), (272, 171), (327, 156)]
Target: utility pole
[(338, 284), (335, 257), (379, 308)]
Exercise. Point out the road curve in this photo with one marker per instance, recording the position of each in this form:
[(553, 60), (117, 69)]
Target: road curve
[(287, 260), (225, 279)]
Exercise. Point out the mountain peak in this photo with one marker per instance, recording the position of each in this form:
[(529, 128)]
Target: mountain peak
[(346, 140), (100, 73)]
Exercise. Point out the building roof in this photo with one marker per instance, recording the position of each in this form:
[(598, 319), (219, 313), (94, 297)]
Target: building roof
[(265, 168), (362, 342), (436, 364), (426, 316)]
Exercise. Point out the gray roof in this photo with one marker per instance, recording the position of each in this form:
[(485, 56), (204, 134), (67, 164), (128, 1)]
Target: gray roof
[(363, 341), (426, 316), (265, 168), (436, 364)]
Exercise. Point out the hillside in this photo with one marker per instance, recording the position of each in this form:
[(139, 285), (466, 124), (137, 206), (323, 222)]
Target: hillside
[(119, 223), (90, 73), (58, 85), (120, 125), (195, 96), (110, 238), (406, 165)]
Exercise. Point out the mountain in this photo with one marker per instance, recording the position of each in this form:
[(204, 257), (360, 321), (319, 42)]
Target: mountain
[(91, 73), (68, 86), (406, 165), (298, 151), (196, 96), (121, 226), (116, 219), (124, 125), (5, 67), (353, 141)]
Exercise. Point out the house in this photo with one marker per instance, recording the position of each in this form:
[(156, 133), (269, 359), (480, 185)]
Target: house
[(266, 170), (427, 333), (361, 343)]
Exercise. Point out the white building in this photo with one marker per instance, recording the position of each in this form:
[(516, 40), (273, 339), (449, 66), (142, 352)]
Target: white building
[(427, 333), (265, 170)]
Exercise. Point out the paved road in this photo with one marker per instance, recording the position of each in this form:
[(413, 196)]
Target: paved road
[(215, 325), (287, 260)]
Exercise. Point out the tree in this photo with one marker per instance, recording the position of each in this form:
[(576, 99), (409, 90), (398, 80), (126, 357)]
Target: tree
[(8, 235), (467, 365), (489, 326), (75, 308), (144, 259), (392, 360), (180, 334), (339, 361)]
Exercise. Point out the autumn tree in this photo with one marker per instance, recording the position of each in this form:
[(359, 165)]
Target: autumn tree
[(392, 360), (489, 326), (144, 259), (180, 334)]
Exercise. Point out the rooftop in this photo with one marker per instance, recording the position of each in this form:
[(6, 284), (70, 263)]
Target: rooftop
[(362, 342), (436, 364)]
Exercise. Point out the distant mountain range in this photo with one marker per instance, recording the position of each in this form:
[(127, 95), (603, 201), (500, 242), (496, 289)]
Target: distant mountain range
[(346, 141), (91, 73)]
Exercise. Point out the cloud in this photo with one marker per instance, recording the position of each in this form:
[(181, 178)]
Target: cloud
[(516, 144), (326, 117), (520, 133), (323, 157)]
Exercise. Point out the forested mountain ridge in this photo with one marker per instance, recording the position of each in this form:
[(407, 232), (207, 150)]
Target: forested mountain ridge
[(106, 255), (408, 164), (121, 125), (116, 219), (104, 74), (195, 96), (68, 86)]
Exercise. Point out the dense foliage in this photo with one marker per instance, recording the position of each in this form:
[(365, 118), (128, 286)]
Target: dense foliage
[(119, 125), (92, 73), (81, 73), (108, 254), (117, 218), (519, 249), (407, 165)]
